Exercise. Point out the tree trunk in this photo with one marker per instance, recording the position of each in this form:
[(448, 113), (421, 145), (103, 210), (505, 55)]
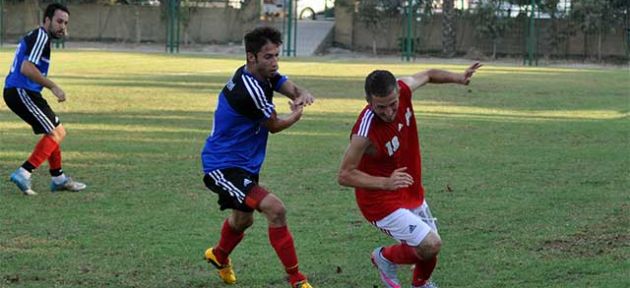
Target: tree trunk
[(374, 46), (599, 45), (448, 31)]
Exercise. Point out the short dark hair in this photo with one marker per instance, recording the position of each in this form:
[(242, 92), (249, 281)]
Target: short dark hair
[(51, 8), (379, 83), (257, 38)]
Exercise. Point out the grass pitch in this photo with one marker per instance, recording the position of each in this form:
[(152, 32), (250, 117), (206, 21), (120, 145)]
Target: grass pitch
[(527, 170)]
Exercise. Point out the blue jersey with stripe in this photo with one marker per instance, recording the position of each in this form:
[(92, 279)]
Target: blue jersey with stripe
[(238, 137), (34, 47)]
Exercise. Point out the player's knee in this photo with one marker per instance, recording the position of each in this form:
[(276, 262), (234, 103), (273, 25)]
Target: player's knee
[(429, 247), (274, 210), (59, 133), (243, 224)]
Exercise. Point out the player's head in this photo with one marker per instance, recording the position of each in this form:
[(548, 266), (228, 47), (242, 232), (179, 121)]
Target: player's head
[(262, 46), (56, 20), (381, 91)]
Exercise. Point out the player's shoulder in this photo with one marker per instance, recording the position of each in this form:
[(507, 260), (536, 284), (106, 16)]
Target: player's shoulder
[(365, 122), (240, 85), (37, 33)]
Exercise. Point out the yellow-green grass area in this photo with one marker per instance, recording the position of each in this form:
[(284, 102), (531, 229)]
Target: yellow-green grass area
[(527, 170)]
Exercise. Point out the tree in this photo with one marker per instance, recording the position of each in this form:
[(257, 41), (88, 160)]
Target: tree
[(598, 17), (448, 32), (372, 14), (489, 22)]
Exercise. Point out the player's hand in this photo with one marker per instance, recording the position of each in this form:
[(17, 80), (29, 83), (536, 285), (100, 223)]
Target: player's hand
[(61, 96), (305, 99), (470, 71), (398, 179), (296, 109)]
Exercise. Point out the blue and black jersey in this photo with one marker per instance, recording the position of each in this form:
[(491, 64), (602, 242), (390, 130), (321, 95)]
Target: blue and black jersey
[(238, 137), (34, 47)]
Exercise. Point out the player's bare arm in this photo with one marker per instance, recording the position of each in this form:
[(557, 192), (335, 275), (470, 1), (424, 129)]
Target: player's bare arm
[(276, 124), (299, 95), (437, 76), (349, 174), (30, 70)]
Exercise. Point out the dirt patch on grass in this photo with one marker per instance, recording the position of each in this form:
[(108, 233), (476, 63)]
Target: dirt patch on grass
[(586, 245), (603, 238)]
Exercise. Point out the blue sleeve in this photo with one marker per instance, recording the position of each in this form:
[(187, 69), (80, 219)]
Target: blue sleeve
[(278, 80)]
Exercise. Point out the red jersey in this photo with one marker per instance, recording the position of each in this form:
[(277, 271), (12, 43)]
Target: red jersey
[(397, 146)]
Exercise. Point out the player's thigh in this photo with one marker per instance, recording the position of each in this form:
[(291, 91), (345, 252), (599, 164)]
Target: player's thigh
[(33, 109), (404, 226), (424, 212)]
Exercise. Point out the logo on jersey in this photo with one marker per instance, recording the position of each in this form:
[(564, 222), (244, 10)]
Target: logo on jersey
[(246, 182), (400, 125), (411, 228), (230, 85)]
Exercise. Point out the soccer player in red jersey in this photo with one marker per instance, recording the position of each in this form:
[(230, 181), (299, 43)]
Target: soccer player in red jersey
[(383, 164)]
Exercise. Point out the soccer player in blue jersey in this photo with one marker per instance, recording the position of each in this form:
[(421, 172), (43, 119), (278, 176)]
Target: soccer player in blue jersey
[(235, 150), (22, 88)]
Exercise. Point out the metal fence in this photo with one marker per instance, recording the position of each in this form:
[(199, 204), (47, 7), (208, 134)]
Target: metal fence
[(586, 29)]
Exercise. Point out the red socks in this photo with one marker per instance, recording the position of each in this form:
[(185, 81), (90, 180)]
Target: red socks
[(43, 150), (54, 161), (404, 254), (229, 240), (423, 271), (400, 254), (282, 242)]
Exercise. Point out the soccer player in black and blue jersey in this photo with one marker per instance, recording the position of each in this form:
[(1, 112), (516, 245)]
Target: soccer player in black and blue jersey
[(22, 87), (235, 150)]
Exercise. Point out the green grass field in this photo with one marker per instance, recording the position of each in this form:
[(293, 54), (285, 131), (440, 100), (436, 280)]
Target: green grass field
[(527, 169)]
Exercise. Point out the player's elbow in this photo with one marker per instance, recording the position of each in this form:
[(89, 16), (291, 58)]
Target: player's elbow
[(343, 178), (274, 129)]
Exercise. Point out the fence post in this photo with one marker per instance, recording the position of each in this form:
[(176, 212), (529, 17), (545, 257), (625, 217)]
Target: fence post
[(172, 26), (531, 38), (1, 23), (407, 41), (289, 27)]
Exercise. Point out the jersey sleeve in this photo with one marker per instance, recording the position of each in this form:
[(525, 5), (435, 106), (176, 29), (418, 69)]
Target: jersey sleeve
[(254, 103), (362, 126), (405, 91), (36, 42), (277, 81)]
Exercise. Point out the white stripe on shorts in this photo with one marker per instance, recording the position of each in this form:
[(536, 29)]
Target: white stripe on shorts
[(220, 181), (37, 113)]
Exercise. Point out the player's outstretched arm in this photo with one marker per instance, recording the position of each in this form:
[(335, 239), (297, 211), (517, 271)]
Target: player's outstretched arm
[(438, 76), (299, 95), (349, 174)]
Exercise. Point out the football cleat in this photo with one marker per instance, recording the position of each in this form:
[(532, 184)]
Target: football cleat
[(429, 284), (301, 284), (68, 185), (23, 182), (226, 273), (386, 269)]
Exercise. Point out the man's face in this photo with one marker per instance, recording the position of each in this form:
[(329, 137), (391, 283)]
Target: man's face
[(266, 60), (57, 26), (385, 107)]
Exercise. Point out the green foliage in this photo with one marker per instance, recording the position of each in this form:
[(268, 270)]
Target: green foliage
[(596, 16), (526, 169)]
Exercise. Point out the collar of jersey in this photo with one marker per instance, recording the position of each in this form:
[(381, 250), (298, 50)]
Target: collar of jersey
[(246, 72)]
